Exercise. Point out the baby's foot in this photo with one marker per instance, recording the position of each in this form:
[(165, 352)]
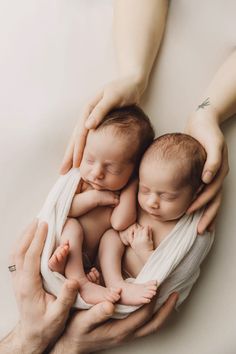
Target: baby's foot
[(94, 276), (137, 294), (93, 293), (58, 260)]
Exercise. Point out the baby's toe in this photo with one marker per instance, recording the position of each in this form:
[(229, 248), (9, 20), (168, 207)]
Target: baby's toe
[(96, 272), (93, 277), (152, 282), (149, 294), (113, 296), (89, 278), (146, 300), (59, 257)]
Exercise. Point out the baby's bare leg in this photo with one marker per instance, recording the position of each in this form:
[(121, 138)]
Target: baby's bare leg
[(92, 293), (69, 263), (111, 251)]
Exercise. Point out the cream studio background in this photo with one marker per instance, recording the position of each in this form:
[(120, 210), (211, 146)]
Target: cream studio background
[(54, 56)]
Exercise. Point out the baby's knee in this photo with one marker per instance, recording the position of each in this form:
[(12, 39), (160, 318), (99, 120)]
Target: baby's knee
[(109, 235)]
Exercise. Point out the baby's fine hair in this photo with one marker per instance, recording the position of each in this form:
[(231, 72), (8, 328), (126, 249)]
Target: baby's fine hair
[(132, 122), (181, 148)]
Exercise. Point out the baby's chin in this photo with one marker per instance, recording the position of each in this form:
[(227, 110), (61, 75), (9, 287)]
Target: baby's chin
[(163, 218)]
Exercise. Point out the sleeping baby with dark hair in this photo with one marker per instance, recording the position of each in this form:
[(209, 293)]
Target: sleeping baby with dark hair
[(105, 198)]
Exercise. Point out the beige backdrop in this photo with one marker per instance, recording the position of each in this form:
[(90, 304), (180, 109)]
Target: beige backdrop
[(54, 55)]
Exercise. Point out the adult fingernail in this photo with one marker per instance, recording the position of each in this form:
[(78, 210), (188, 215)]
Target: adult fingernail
[(207, 176)]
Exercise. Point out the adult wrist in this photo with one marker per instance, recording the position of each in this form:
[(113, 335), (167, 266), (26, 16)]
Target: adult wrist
[(208, 111), (137, 77), (65, 346), (18, 342)]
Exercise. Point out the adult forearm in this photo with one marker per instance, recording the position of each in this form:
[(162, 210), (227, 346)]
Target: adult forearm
[(221, 93), (138, 30), (15, 342)]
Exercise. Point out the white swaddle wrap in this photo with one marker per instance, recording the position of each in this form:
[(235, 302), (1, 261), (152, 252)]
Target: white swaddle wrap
[(175, 263)]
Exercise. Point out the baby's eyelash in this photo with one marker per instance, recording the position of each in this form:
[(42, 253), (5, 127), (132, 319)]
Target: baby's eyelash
[(113, 172), (144, 191), (168, 197)]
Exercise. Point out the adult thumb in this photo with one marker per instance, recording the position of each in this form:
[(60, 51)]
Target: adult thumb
[(98, 113), (97, 315), (213, 163), (67, 296)]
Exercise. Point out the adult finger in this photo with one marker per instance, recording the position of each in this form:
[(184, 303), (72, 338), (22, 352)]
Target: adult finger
[(96, 315), (209, 213), (79, 147), (213, 162), (22, 244), (32, 256), (67, 161), (100, 111), (66, 297), (159, 318), (213, 188), (124, 329), (211, 227), (74, 151), (82, 130)]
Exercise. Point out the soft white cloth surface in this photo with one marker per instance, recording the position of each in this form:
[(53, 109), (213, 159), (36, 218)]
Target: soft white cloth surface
[(164, 265)]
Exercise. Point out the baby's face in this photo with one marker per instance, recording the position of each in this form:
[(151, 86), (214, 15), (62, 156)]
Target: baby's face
[(159, 192), (106, 163)]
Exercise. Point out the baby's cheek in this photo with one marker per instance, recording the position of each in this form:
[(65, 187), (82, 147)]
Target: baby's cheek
[(141, 200)]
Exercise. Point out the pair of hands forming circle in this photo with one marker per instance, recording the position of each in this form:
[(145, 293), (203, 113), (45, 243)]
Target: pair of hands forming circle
[(43, 317), (202, 125)]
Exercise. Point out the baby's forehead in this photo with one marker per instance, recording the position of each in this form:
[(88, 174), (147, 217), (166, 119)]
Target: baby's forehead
[(172, 172), (105, 143)]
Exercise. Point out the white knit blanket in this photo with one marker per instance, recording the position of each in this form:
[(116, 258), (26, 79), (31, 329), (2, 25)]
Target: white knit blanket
[(175, 263)]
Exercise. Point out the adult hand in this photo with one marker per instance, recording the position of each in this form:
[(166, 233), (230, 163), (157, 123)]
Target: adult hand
[(42, 316), (118, 93), (203, 125), (92, 330)]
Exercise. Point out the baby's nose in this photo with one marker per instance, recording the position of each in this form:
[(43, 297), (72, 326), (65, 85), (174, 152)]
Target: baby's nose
[(97, 172), (153, 202)]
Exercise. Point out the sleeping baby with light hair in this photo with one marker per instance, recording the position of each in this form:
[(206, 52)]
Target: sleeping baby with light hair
[(169, 180)]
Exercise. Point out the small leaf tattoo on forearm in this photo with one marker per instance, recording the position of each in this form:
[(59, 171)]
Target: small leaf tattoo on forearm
[(205, 103)]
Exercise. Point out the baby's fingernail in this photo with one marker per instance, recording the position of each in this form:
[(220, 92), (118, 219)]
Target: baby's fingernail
[(207, 176)]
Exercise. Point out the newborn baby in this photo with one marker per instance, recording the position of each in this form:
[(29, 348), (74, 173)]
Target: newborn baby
[(169, 180), (103, 200)]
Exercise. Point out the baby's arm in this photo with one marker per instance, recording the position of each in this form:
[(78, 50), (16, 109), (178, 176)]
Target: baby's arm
[(86, 201), (125, 213)]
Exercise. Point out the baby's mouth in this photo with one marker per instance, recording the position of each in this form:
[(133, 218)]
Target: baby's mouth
[(94, 184)]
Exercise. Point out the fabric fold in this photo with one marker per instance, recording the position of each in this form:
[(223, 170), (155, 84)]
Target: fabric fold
[(175, 263)]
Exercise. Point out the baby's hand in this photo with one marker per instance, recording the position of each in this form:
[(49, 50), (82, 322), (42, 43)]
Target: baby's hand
[(142, 242), (126, 236), (105, 198)]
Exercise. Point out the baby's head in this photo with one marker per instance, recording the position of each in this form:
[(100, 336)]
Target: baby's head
[(115, 148), (170, 175)]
